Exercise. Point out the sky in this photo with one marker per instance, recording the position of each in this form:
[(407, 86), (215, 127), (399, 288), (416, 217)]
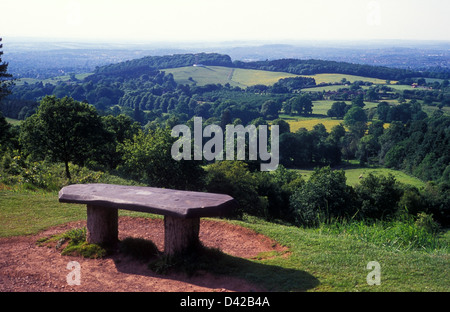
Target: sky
[(225, 20)]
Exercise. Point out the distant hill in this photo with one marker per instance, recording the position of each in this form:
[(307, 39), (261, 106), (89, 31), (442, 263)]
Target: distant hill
[(137, 67)]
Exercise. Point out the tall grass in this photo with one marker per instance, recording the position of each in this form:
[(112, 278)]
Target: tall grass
[(404, 234)]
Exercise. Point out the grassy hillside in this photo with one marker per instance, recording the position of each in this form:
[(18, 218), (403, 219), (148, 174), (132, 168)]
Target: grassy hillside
[(317, 259), (331, 78), (248, 77), (203, 75)]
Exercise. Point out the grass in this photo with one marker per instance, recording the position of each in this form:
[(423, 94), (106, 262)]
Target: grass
[(53, 80), (203, 75), (13, 121), (309, 123), (318, 259), (73, 243), (332, 78), (353, 174), (249, 77)]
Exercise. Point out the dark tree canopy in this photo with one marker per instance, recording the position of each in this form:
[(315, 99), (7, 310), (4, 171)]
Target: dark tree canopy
[(64, 130)]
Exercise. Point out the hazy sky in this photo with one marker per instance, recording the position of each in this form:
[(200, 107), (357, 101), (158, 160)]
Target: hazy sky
[(223, 20)]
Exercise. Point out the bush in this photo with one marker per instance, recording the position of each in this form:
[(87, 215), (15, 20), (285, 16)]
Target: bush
[(278, 186), (20, 171), (73, 243), (426, 222), (323, 197), (147, 159), (378, 196), (233, 178)]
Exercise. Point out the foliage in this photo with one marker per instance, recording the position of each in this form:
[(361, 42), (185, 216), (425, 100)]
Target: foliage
[(34, 175), (356, 120), (5, 77), (233, 178), (318, 147), (397, 235), (63, 130), (338, 110), (324, 196), (147, 158), (311, 67), (73, 243), (378, 196)]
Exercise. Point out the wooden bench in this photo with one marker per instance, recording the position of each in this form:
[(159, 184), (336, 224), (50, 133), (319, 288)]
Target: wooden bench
[(182, 210)]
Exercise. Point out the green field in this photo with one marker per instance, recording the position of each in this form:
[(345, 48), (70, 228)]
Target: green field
[(332, 78), (12, 121), (53, 80), (203, 75), (248, 77), (353, 174)]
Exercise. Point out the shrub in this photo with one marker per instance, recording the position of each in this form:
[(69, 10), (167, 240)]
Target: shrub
[(323, 197), (378, 196), (233, 178), (147, 159)]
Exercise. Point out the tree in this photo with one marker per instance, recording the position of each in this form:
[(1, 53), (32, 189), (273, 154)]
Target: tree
[(5, 132), (324, 196), (378, 196), (358, 101), (147, 158), (283, 126), (383, 111), (302, 104), (269, 109), (338, 110), (5, 78), (64, 130), (356, 120)]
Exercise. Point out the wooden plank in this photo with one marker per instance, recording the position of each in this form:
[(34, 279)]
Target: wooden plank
[(168, 202)]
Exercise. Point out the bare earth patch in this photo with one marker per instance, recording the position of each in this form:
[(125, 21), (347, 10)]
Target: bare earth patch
[(26, 267)]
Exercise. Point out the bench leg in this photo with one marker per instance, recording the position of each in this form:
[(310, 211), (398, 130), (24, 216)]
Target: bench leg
[(180, 234), (102, 225)]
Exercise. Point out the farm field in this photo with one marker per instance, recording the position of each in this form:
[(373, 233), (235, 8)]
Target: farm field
[(248, 77), (203, 75), (309, 123), (331, 78)]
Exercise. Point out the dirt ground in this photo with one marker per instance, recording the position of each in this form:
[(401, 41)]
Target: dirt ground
[(26, 267)]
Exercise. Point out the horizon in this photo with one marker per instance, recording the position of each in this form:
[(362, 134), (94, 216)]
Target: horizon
[(199, 21)]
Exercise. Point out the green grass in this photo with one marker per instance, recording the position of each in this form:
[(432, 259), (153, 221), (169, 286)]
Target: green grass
[(203, 75), (13, 121), (309, 123), (332, 78), (248, 77), (353, 174), (318, 260), (53, 80)]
